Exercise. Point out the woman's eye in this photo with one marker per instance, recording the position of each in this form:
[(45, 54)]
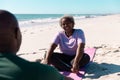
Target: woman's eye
[(66, 24)]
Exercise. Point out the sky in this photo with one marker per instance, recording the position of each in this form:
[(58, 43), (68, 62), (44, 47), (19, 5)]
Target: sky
[(61, 6)]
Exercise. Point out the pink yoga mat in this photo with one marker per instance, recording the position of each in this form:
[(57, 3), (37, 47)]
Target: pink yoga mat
[(79, 76)]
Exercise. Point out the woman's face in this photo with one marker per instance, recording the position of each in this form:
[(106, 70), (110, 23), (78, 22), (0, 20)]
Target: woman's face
[(67, 25)]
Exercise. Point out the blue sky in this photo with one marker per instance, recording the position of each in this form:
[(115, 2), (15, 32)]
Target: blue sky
[(61, 6)]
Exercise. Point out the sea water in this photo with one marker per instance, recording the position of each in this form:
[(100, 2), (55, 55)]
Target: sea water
[(27, 20)]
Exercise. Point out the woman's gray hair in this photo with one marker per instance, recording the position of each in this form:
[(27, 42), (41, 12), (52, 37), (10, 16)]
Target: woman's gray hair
[(68, 17)]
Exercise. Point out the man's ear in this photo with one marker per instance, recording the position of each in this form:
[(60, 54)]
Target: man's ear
[(18, 37)]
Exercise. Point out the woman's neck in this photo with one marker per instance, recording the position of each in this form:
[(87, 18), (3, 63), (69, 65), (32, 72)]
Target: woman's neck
[(68, 34)]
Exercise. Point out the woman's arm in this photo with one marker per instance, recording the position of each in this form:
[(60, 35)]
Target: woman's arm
[(49, 53), (79, 54)]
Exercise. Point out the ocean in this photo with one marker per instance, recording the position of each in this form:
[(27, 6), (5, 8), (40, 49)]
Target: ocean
[(35, 19)]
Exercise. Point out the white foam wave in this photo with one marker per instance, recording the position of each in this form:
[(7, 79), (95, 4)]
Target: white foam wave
[(47, 20)]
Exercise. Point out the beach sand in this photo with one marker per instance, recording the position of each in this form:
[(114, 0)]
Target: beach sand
[(101, 32)]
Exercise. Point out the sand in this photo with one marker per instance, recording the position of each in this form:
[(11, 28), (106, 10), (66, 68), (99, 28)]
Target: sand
[(101, 32)]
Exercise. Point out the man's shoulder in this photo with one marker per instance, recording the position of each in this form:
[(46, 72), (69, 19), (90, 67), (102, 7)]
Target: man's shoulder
[(47, 72)]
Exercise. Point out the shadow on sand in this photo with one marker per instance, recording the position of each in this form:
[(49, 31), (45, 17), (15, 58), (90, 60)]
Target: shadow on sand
[(95, 70)]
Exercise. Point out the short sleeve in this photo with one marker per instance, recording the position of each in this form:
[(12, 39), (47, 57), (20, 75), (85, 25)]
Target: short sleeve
[(56, 39), (81, 36)]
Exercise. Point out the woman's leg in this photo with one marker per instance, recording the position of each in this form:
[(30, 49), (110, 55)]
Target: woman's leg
[(85, 60), (61, 61)]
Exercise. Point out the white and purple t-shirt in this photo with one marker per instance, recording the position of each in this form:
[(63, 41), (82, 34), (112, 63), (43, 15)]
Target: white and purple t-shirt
[(68, 45)]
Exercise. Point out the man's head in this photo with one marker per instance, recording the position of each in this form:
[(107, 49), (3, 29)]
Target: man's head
[(10, 35)]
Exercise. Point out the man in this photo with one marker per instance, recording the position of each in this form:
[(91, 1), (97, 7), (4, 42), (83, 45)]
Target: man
[(13, 67)]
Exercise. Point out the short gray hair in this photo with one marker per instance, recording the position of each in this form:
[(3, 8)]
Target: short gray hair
[(69, 17)]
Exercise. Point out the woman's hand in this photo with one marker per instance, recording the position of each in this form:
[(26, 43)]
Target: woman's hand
[(44, 61), (75, 68), (68, 78)]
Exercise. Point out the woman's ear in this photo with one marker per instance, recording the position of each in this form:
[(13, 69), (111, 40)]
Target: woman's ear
[(73, 24)]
